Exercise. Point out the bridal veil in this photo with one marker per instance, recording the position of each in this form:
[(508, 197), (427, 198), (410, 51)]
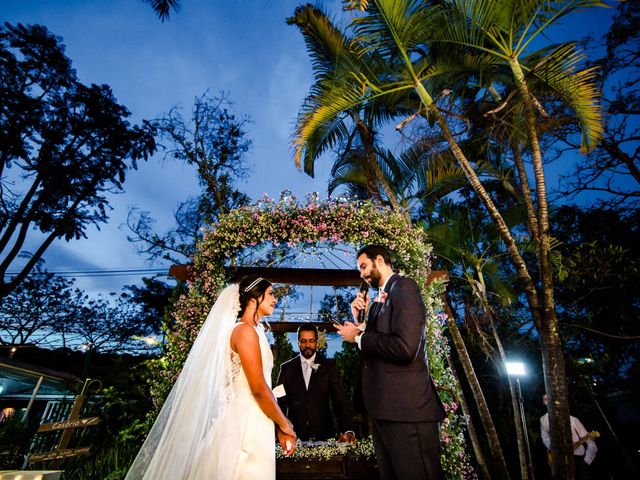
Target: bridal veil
[(197, 401)]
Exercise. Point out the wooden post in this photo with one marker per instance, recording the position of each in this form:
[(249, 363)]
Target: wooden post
[(32, 399)]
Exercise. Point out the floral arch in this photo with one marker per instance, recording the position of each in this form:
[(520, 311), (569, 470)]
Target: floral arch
[(321, 224)]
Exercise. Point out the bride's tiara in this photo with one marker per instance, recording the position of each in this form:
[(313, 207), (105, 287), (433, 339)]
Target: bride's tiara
[(253, 284)]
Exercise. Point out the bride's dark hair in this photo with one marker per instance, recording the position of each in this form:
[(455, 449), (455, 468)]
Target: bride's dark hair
[(252, 287)]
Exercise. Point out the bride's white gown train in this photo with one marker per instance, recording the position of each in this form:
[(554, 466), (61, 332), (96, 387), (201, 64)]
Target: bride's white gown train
[(243, 447), (210, 427)]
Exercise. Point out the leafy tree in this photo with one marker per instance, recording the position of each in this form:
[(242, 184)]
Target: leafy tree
[(599, 297), (47, 310), (63, 147), (213, 141), (282, 351), (109, 325), (153, 297), (612, 170), (337, 307), (37, 310)]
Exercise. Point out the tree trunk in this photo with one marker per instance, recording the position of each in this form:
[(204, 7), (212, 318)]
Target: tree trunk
[(562, 466), (532, 221), (471, 429), (503, 230), (542, 309), (478, 395), (520, 433)]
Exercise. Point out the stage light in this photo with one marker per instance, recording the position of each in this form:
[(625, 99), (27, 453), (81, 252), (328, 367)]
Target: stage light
[(515, 369)]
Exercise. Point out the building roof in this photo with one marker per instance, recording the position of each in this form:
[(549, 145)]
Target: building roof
[(18, 379)]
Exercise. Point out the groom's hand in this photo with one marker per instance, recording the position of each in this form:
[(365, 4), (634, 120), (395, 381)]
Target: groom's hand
[(359, 304), (348, 331)]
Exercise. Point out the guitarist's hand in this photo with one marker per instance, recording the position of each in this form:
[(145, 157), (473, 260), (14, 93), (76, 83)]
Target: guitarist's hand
[(589, 436)]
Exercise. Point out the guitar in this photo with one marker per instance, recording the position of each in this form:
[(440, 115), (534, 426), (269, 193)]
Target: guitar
[(589, 436)]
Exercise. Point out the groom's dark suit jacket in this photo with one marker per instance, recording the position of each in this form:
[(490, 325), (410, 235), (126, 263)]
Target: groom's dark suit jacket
[(396, 384), (310, 410)]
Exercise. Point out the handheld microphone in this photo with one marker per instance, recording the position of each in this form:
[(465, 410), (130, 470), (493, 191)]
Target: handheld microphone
[(364, 289)]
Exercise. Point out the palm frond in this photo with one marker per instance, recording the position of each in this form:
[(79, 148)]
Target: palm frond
[(531, 247), (163, 7), (327, 136), (350, 172), (325, 112), (391, 27), (325, 42), (535, 16), (577, 88), (345, 83), (477, 25)]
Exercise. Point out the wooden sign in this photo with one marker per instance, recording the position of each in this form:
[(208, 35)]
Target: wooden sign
[(67, 426), (58, 454), (78, 423)]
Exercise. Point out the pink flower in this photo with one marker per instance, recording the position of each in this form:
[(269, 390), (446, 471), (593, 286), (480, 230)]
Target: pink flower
[(381, 298)]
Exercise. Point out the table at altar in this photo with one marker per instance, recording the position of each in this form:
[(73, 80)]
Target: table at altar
[(327, 460)]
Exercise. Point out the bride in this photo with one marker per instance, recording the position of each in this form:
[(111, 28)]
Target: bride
[(218, 420)]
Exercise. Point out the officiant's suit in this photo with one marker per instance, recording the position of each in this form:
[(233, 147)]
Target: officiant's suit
[(310, 409), (398, 392)]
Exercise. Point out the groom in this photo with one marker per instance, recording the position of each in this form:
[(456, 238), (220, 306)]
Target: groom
[(398, 392)]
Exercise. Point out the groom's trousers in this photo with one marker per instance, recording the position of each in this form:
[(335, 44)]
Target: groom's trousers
[(407, 450)]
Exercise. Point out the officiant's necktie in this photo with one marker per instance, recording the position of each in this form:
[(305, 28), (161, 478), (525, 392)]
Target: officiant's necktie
[(306, 373)]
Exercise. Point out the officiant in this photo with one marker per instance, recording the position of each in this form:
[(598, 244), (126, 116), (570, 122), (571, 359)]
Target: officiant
[(313, 391)]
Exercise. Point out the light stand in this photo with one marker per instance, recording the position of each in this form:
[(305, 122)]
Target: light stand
[(517, 370)]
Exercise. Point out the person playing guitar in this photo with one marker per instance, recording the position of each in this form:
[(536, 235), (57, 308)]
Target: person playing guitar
[(584, 448)]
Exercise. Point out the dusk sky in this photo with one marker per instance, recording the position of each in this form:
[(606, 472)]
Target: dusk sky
[(242, 48)]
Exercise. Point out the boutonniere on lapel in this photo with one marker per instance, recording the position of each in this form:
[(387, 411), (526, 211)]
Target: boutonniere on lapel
[(381, 298), (315, 366)]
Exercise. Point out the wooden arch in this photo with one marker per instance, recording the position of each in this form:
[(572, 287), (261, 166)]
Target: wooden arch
[(296, 276)]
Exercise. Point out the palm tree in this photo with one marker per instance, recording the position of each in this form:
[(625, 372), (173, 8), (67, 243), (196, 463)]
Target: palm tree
[(337, 67), (496, 34), (504, 31)]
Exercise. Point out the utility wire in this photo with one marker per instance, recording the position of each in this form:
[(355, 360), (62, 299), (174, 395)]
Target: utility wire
[(106, 272)]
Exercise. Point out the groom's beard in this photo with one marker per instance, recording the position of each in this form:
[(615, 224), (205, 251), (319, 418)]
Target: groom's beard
[(374, 277)]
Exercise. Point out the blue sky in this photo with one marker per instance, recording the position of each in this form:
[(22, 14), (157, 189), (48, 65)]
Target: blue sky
[(242, 48)]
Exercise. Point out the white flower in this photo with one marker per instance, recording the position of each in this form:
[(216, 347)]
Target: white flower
[(315, 366)]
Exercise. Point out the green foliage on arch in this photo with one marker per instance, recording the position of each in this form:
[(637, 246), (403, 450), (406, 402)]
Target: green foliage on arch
[(321, 224)]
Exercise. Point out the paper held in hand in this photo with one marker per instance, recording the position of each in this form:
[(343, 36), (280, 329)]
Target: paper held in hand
[(279, 391)]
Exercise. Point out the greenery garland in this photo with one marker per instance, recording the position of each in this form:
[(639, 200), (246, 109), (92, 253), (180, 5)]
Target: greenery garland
[(321, 224)]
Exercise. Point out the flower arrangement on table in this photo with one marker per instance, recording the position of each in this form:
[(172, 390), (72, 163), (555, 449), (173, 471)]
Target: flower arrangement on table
[(329, 449)]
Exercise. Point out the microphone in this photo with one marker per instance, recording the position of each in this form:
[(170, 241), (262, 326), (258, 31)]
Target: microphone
[(364, 289)]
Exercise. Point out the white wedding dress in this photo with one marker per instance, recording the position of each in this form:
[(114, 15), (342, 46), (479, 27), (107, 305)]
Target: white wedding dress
[(243, 447), (210, 426)]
